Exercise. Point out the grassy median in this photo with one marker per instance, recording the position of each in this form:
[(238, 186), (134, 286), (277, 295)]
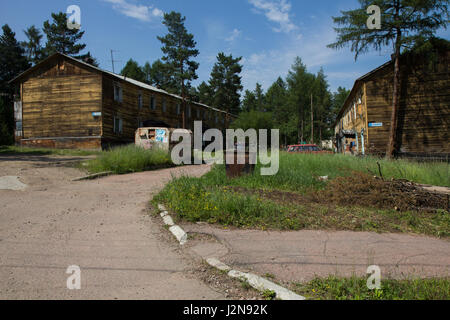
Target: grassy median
[(355, 288), (129, 159), (297, 198)]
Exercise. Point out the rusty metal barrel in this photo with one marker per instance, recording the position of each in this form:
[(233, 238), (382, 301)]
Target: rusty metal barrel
[(236, 168)]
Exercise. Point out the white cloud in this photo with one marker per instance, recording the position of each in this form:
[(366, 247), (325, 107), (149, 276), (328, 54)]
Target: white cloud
[(277, 11), (266, 66), (236, 33), (136, 11)]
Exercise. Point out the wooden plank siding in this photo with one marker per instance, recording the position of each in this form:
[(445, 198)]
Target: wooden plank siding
[(60, 95), (424, 112), (424, 107), (58, 101), (130, 113)]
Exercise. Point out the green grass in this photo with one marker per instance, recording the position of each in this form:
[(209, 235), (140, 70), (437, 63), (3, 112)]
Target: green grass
[(354, 288), (129, 159), (214, 198), (300, 172), (11, 150), (195, 199)]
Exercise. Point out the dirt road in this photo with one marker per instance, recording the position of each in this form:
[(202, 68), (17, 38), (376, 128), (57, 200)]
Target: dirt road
[(102, 226)]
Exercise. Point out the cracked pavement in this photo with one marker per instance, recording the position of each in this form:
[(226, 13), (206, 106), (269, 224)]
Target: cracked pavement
[(300, 256), (102, 226)]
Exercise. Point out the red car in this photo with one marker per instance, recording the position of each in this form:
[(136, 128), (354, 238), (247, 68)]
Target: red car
[(307, 148)]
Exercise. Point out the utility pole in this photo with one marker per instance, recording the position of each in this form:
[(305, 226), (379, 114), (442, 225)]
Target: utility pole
[(312, 120)]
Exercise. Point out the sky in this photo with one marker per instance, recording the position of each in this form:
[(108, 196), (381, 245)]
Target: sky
[(267, 34)]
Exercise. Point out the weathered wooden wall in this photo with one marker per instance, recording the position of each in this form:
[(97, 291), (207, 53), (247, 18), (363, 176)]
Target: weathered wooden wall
[(131, 114), (424, 113), (58, 100), (60, 95)]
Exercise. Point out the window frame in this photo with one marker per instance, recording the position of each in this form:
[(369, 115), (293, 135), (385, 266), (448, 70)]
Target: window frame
[(118, 96), (117, 127), (152, 102)]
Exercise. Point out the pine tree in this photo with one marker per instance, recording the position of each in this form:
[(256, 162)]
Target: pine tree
[(147, 69), (321, 107), (205, 93), (33, 47), (225, 83), (260, 98), (133, 70), (179, 49), (403, 24), (160, 76), (249, 101), (88, 58), (62, 39), (300, 83), (12, 59), (338, 100), (12, 63)]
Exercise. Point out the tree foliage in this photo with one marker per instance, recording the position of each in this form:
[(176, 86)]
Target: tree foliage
[(134, 71), (33, 47), (225, 83), (62, 39), (404, 23), (178, 49)]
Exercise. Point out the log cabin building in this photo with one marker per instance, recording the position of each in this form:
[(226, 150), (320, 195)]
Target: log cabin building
[(66, 103), (363, 123)]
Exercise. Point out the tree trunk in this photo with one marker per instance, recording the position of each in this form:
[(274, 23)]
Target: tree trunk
[(312, 120), (183, 108), (391, 148), (300, 126)]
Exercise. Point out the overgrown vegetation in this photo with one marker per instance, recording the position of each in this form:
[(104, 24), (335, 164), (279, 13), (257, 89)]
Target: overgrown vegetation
[(300, 172), (287, 201), (129, 159), (354, 288)]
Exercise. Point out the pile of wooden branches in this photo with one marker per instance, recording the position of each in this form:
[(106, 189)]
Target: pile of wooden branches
[(367, 190)]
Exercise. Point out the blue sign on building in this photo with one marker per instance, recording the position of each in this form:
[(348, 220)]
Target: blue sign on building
[(375, 124)]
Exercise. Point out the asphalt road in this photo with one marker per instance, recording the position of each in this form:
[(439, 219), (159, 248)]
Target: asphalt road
[(102, 226)]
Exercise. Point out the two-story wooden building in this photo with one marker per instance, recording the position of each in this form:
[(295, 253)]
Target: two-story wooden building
[(66, 103), (363, 124)]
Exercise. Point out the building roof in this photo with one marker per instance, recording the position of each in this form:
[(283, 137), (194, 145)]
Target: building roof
[(118, 76)]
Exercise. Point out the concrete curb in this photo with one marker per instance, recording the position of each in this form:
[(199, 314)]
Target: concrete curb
[(255, 281), (177, 232), (94, 176)]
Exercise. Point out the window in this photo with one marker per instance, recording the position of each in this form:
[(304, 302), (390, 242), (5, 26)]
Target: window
[(118, 125), (198, 113), (152, 103), (18, 128), (140, 100), (118, 92), (189, 111), (178, 108), (164, 105)]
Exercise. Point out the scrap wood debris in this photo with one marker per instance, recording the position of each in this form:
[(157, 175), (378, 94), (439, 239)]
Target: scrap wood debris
[(367, 190)]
